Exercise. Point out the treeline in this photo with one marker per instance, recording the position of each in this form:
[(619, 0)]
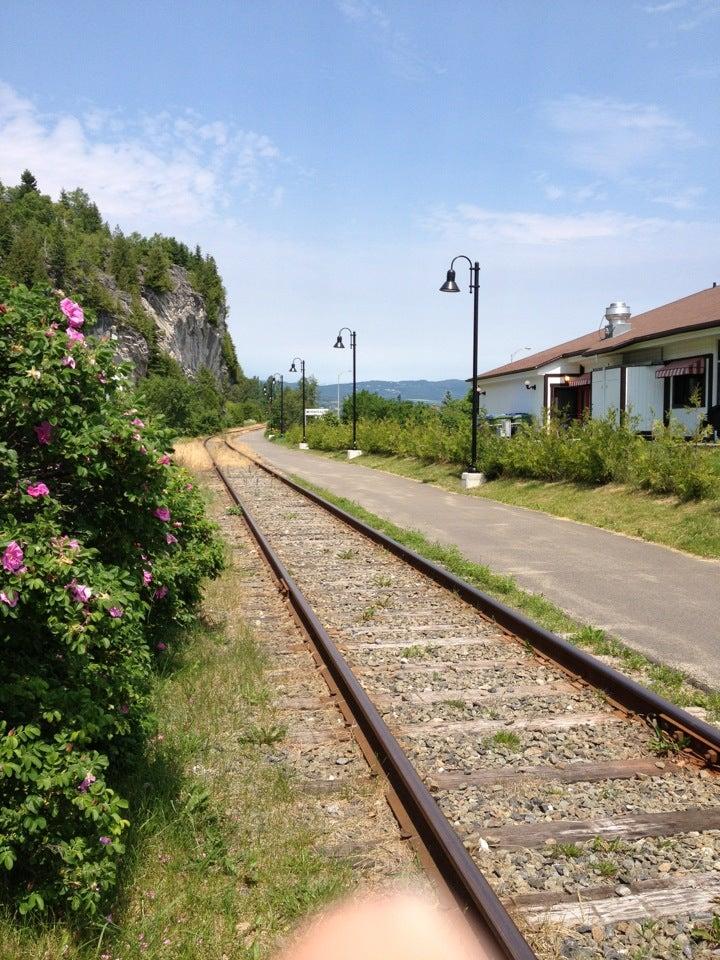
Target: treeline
[(67, 244)]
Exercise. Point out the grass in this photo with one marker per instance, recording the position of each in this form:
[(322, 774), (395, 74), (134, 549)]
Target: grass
[(693, 527), (505, 738), (571, 850), (668, 682), (221, 860)]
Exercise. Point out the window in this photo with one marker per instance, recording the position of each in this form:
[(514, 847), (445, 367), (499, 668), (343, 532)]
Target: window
[(688, 390)]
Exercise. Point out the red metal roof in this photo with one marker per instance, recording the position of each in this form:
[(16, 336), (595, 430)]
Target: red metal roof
[(695, 312)]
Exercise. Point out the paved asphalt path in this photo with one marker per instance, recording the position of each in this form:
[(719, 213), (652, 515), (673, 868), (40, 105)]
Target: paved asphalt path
[(659, 600)]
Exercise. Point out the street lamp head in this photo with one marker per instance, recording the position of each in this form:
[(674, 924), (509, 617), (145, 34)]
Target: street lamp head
[(339, 342), (450, 286), (293, 368)]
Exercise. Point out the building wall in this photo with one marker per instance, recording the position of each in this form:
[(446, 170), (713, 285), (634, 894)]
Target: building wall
[(644, 396), (507, 396), (606, 391)]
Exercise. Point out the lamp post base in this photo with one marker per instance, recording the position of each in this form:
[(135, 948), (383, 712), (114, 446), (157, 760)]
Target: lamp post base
[(351, 454), (470, 480), (304, 446)]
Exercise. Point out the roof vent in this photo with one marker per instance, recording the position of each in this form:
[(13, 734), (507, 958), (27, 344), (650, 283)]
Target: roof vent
[(617, 317)]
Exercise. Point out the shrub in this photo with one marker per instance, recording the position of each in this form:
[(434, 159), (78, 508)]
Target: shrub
[(103, 545)]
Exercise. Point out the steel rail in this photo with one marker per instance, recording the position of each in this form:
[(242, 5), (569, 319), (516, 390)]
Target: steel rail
[(703, 738), (466, 883)]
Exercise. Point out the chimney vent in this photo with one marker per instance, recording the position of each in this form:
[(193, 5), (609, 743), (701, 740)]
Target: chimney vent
[(617, 317)]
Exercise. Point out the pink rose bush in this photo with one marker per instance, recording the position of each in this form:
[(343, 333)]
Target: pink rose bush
[(81, 630)]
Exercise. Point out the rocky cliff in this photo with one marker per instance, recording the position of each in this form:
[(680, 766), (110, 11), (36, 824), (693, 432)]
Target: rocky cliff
[(177, 322)]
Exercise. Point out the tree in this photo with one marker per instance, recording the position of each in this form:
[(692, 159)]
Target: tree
[(57, 255), (24, 263), (156, 274), (27, 182), (123, 264)]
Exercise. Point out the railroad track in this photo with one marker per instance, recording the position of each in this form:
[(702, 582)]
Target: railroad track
[(568, 810)]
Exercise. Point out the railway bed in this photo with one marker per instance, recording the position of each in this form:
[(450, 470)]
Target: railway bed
[(590, 807)]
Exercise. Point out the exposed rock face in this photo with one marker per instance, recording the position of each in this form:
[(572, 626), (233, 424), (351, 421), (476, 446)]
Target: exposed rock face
[(181, 321)]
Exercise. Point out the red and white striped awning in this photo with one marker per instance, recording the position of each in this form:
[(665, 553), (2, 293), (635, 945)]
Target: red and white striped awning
[(584, 380), (679, 368)]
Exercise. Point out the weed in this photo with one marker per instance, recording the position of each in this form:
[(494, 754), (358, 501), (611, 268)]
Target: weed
[(236, 511), (382, 580), (606, 868), (368, 614), (569, 850), (263, 734), (348, 554), (601, 845), (459, 704), (709, 934), (415, 651), (505, 738), (663, 744)]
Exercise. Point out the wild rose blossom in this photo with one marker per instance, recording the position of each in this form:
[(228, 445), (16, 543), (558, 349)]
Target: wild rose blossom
[(105, 841), (164, 460), (12, 558), (162, 513), (73, 311), (74, 336), (116, 612), (170, 539), (9, 597), (177, 524), (3, 308), (73, 544), (80, 591), (147, 578), (102, 378), (161, 646), (44, 432), (160, 593), (87, 782), (188, 486), (69, 362), (37, 490), (124, 708), (50, 332), (137, 422)]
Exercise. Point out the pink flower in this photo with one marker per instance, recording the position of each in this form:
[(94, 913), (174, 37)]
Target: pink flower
[(69, 362), (50, 332), (188, 486), (73, 312), (161, 646), (10, 597), (170, 539), (124, 708), (142, 449), (137, 422), (115, 612), (80, 592), (162, 513), (102, 378), (160, 593), (44, 432), (164, 460), (37, 490), (75, 336), (73, 545), (12, 558), (105, 841), (87, 782), (177, 524), (147, 577)]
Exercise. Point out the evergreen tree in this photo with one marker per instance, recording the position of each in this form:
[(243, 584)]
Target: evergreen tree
[(24, 262), (6, 234), (27, 182), (157, 268), (123, 264), (57, 255)]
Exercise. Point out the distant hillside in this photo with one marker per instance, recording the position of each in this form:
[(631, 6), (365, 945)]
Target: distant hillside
[(427, 391)]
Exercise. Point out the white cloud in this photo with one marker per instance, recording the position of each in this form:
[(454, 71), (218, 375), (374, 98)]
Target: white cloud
[(399, 52), (152, 172), (613, 137), (695, 12)]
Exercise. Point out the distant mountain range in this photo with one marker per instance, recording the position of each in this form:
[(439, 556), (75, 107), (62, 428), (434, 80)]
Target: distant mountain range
[(424, 391)]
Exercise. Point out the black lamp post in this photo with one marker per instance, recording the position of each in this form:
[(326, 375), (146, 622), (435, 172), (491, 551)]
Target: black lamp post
[(282, 400), (451, 287), (293, 369), (341, 346)]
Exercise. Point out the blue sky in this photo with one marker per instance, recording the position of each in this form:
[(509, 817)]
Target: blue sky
[(335, 154)]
